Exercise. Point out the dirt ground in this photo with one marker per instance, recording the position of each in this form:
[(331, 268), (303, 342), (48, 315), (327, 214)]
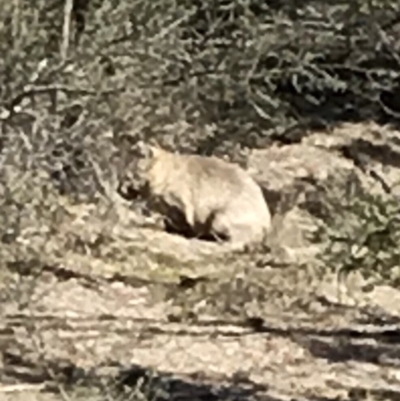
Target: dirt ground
[(116, 312), (236, 330)]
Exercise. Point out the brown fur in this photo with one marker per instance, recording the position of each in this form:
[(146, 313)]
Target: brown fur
[(204, 196)]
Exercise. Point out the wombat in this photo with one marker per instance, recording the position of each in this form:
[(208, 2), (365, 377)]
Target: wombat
[(204, 197)]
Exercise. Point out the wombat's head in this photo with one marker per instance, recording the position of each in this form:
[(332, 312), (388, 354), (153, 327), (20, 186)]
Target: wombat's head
[(142, 157), (146, 151), (145, 154), (133, 180)]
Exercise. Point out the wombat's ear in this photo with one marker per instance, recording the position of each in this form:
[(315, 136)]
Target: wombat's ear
[(141, 149), (154, 148), (147, 150)]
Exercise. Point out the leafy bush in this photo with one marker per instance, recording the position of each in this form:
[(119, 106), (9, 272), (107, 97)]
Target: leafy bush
[(362, 233)]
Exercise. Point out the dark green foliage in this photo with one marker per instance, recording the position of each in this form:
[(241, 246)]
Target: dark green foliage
[(361, 232), (256, 69)]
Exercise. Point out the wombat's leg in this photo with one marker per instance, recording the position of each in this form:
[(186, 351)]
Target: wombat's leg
[(220, 227), (176, 223), (227, 226), (189, 215)]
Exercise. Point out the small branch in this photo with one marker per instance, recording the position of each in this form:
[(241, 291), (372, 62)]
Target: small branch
[(66, 28), (30, 90), (194, 74), (16, 20), (14, 388)]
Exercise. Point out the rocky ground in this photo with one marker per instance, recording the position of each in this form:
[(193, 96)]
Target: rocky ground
[(112, 311)]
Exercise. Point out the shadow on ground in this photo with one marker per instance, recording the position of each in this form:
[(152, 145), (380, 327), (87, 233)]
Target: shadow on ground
[(117, 382)]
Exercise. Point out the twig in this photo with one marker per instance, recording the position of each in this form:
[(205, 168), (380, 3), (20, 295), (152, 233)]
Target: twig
[(14, 388), (16, 20), (30, 90), (66, 28), (166, 30)]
